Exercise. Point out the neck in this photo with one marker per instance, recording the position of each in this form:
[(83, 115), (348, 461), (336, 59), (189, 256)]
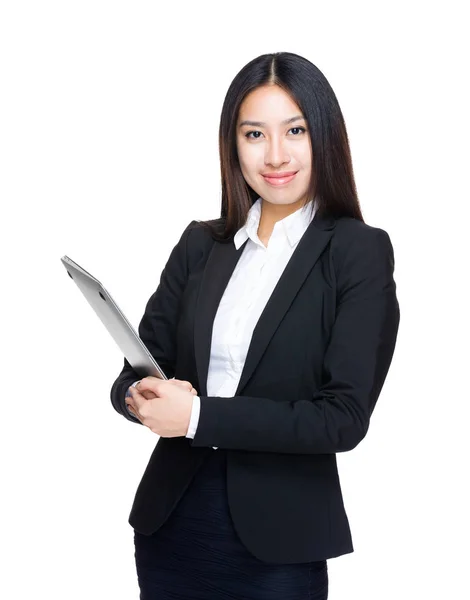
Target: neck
[(271, 214)]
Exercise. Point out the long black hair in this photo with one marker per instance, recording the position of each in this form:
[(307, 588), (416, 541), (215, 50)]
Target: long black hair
[(332, 183)]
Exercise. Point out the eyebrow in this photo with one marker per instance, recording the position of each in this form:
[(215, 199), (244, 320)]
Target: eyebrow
[(261, 124)]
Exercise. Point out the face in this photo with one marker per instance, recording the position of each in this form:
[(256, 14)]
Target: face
[(273, 139)]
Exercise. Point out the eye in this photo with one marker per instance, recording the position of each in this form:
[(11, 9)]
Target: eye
[(247, 135), (256, 137), (301, 129)]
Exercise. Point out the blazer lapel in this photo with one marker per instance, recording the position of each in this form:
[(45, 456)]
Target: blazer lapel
[(297, 269), (217, 272), (219, 267)]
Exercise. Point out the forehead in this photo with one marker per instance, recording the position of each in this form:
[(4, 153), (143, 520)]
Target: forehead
[(268, 103)]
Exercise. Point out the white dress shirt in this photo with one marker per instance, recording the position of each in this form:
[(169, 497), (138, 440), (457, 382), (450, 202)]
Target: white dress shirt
[(249, 289)]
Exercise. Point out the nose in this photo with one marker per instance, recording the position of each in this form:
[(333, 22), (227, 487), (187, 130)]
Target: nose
[(276, 152)]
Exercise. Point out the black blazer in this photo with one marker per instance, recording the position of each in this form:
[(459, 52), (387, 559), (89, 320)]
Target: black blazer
[(315, 367)]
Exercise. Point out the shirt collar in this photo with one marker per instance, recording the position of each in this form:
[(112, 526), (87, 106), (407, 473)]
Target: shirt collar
[(292, 227)]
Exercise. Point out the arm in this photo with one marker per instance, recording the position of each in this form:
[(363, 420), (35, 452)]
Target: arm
[(335, 418), (157, 328)]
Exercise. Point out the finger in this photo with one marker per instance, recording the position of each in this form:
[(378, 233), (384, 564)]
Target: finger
[(146, 393), (151, 384), (149, 379), (138, 399), (147, 383), (132, 410), (185, 385)]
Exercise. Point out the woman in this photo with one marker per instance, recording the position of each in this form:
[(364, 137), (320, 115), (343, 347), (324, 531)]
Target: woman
[(283, 315)]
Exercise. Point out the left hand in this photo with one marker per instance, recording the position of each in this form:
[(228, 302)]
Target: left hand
[(169, 413)]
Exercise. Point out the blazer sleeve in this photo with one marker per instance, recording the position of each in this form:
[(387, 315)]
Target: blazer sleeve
[(157, 329), (335, 418)]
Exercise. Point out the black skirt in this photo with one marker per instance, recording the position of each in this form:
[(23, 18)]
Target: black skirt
[(197, 555)]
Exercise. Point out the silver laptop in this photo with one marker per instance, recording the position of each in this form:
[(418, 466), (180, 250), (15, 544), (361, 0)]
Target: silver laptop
[(114, 320)]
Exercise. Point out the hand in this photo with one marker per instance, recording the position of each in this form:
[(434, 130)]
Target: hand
[(167, 412), (186, 385)]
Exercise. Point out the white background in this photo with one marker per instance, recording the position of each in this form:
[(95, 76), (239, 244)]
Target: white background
[(108, 148)]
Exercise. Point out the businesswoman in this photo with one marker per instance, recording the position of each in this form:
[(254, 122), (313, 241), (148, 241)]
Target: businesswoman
[(276, 325)]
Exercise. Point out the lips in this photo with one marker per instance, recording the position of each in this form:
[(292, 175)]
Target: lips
[(280, 175), (279, 178)]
